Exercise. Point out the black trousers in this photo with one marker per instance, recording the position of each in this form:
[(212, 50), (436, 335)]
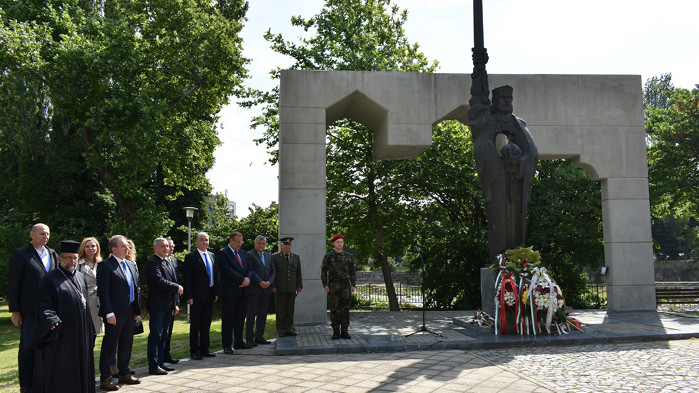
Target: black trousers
[(233, 310), (258, 304), (118, 339), (200, 325)]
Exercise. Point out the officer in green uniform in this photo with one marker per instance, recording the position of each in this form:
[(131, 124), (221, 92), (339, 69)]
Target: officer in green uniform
[(339, 280), (287, 284)]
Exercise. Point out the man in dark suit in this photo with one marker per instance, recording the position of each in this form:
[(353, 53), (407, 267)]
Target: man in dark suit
[(201, 292), (235, 278), (259, 292), (288, 284), (118, 291), (28, 265), (174, 263), (163, 304)]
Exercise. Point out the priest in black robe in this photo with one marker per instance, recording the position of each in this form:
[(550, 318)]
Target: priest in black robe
[(64, 356)]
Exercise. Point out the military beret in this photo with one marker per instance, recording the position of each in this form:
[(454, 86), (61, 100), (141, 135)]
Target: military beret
[(338, 236)]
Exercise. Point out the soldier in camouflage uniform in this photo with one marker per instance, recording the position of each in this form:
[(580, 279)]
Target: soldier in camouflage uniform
[(339, 280)]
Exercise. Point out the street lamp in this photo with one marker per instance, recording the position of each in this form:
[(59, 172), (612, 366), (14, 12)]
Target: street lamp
[(189, 212)]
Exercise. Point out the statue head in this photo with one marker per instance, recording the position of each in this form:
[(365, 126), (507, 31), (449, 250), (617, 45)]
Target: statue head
[(502, 100)]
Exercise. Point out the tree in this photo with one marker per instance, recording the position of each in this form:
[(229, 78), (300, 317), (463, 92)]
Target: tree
[(133, 85), (672, 132), (363, 201), (261, 221), (446, 197), (675, 237), (565, 225)]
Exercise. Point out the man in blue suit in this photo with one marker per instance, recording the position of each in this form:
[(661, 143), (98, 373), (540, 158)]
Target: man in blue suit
[(235, 279), (118, 291), (259, 292), (28, 265), (163, 303)]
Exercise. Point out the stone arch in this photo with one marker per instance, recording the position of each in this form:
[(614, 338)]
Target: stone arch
[(595, 120)]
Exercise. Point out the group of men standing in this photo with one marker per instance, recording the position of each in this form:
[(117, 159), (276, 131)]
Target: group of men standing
[(48, 300), (244, 282)]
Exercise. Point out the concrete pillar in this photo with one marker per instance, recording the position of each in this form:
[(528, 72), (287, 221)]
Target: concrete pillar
[(628, 252), (302, 201)]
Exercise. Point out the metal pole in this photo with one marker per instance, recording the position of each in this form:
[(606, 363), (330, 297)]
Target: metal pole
[(189, 237), (189, 249), (478, 24)]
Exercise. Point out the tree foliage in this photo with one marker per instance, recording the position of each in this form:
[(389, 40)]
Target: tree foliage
[(108, 108), (363, 201), (565, 225), (448, 218), (672, 134)]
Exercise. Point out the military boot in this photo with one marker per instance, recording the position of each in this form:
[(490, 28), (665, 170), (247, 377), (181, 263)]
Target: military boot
[(345, 335), (336, 333)]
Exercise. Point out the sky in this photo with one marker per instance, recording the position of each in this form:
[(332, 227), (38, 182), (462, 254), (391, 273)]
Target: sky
[(629, 37)]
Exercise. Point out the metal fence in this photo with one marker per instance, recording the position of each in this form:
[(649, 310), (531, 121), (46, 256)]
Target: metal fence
[(408, 295)]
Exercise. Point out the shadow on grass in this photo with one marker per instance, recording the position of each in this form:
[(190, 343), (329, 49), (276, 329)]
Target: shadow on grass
[(179, 346)]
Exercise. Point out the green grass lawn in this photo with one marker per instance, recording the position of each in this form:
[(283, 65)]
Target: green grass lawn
[(179, 344)]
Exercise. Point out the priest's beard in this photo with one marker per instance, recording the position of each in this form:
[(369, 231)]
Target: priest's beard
[(68, 266)]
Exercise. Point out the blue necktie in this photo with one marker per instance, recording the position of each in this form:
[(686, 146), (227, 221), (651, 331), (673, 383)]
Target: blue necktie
[(208, 270), (262, 257), (127, 273)]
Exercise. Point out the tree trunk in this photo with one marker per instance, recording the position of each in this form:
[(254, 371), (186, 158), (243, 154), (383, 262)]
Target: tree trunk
[(126, 206), (378, 235)]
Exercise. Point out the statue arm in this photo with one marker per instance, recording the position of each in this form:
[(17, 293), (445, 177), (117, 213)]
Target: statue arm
[(480, 91)]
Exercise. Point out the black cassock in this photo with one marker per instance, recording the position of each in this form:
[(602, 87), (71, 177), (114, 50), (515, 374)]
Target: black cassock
[(64, 356)]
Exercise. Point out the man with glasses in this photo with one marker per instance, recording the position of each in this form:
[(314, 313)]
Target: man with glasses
[(64, 357)]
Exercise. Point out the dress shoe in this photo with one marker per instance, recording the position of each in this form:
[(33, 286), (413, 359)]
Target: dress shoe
[(262, 341), (129, 379), (281, 334), (345, 335), (107, 384), (195, 355), (156, 371), (251, 344), (166, 368), (171, 360), (291, 333), (208, 354), (228, 351), (242, 346)]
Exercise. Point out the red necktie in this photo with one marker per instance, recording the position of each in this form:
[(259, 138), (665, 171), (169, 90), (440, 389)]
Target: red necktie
[(239, 261)]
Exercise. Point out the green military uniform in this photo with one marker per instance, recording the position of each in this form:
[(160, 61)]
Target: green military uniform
[(338, 273), (287, 282)]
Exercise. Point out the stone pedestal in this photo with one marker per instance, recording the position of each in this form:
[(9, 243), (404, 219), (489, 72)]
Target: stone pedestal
[(488, 290)]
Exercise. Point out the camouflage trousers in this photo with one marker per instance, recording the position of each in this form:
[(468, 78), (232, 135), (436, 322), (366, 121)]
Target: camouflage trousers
[(339, 302)]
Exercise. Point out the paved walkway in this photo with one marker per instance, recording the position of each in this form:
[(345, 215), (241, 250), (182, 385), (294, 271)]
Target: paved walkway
[(619, 352)]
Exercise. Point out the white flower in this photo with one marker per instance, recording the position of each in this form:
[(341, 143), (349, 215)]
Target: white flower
[(509, 298)]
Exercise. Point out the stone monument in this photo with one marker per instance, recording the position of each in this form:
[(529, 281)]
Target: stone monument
[(505, 173)]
